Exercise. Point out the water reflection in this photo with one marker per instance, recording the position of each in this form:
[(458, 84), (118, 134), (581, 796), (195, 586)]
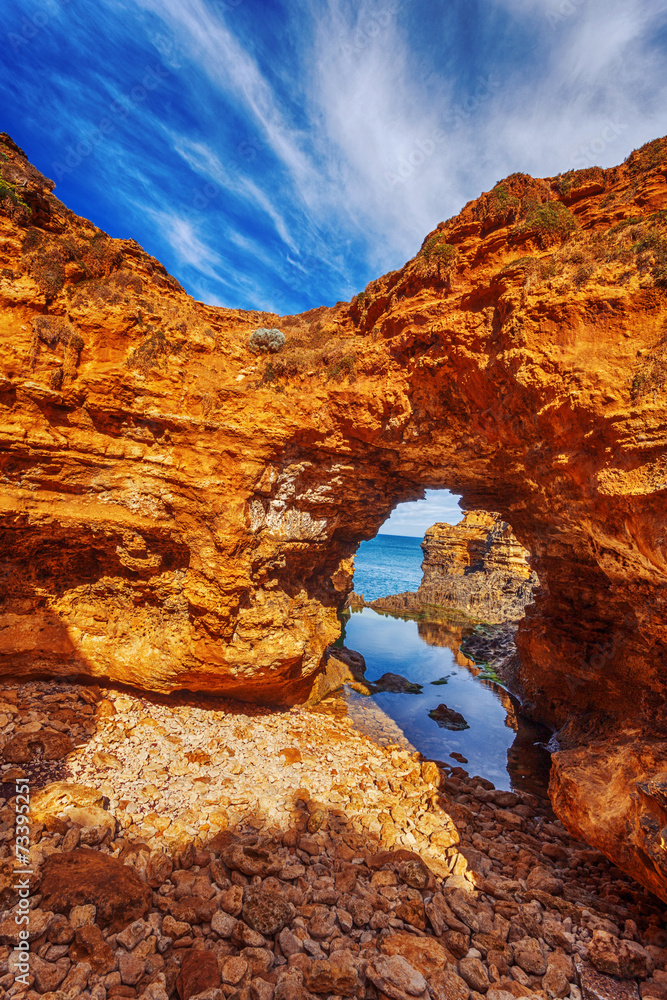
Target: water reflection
[(501, 744)]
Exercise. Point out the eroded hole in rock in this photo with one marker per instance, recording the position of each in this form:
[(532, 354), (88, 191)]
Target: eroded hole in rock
[(437, 598)]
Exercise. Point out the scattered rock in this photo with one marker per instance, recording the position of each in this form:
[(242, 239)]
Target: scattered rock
[(597, 986), (335, 975), (481, 893), (474, 973), (626, 959), (395, 977), (265, 911), (425, 954), (45, 745), (199, 972), (448, 718)]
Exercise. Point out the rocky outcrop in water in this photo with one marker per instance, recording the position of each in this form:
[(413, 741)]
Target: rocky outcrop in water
[(177, 512), (477, 566)]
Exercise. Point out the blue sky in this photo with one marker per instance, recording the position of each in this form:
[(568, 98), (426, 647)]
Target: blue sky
[(414, 517), (281, 155)]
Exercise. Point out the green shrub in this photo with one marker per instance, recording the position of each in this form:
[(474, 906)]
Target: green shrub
[(499, 204), (437, 251), (564, 182), (647, 157), (503, 197), (550, 219), (652, 248), (519, 263), (340, 369), (632, 220), (8, 191)]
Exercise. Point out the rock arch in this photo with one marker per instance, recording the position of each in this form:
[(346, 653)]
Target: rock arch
[(181, 513)]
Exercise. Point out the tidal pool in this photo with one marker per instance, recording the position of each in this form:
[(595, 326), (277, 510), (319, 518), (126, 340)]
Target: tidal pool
[(500, 744)]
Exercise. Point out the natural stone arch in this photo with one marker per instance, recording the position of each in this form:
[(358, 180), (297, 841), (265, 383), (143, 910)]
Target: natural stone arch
[(178, 514)]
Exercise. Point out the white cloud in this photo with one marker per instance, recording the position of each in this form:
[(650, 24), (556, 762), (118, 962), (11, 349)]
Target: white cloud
[(190, 249), (414, 517), (370, 144), (361, 139)]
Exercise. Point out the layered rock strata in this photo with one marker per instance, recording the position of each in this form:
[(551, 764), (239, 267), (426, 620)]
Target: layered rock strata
[(179, 512), (476, 567)]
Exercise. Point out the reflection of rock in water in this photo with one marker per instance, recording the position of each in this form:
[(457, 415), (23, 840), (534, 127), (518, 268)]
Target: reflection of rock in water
[(509, 703), (446, 634), (528, 762)]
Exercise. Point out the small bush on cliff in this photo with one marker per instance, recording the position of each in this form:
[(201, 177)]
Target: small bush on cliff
[(8, 191), (266, 341), (342, 368), (54, 332), (651, 373), (153, 351), (333, 364), (550, 220), (502, 203), (648, 157), (651, 252), (437, 251)]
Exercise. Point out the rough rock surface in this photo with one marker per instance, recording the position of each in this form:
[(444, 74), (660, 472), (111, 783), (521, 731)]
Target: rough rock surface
[(618, 789), (419, 880), (178, 512), (477, 566), (84, 877)]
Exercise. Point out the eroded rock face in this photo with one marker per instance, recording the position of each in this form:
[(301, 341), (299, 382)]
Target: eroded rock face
[(170, 520), (477, 566), (613, 794)]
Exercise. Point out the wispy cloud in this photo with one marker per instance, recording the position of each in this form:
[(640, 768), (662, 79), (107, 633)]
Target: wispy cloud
[(191, 251), (287, 157), (414, 517)]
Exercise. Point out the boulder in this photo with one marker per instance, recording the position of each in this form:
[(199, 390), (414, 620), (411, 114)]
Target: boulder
[(448, 718), (266, 911), (83, 876), (618, 957), (199, 972), (47, 744)]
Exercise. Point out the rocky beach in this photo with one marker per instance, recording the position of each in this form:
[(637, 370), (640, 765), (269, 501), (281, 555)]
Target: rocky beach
[(193, 849)]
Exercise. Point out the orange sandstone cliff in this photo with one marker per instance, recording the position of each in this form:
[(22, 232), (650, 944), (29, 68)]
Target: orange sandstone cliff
[(178, 512)]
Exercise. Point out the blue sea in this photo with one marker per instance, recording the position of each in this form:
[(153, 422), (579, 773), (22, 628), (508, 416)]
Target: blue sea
[(388, 564), (499, 744)]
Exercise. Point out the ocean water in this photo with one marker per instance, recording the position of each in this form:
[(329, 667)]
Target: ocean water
[(388, 564), (499, 744)]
